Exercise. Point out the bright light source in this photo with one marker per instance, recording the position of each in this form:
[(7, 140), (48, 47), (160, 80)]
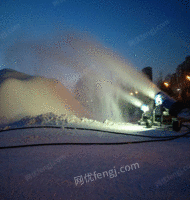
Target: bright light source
[(163, 99), (178, 89), (166, 84), (158, 99), (145, 108), (188, 78), (136, 92), (131, 93)]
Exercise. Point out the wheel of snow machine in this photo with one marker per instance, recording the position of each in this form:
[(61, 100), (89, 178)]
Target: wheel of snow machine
[(148, 123), (176, 125)]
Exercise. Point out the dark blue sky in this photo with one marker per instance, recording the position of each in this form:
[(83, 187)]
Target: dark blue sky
[(116, 24)]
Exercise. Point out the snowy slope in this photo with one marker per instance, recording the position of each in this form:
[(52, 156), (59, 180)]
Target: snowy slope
[(48, 172), (23, 95), (74, 170)]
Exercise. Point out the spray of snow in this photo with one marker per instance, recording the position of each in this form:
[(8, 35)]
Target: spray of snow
[(95, 75)]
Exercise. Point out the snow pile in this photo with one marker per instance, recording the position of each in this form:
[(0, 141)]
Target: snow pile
[(33, 100), (65, 120), (23, 95)]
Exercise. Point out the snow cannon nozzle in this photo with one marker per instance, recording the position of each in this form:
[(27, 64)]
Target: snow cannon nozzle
[(163, 99), (145, 108)]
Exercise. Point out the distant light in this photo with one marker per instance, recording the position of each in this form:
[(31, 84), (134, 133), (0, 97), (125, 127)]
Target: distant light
[(131, 93), (188, 78), (145, 108), (166, 84), (158, 99), (136, 92), (178, 89)]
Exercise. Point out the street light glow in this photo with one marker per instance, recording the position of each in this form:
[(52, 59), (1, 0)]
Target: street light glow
[(166, 84), (188, 78)]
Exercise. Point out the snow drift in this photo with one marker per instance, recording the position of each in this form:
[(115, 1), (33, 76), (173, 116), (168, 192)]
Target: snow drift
[(23, 95)]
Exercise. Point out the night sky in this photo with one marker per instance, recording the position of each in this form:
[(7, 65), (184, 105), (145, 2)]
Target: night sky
[(146, 33)]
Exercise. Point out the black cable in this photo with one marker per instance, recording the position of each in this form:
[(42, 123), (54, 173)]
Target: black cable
[(118, 143), (28, 127), (86, 129)]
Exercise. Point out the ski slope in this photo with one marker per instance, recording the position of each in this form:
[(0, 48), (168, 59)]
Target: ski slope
[(51, 171)]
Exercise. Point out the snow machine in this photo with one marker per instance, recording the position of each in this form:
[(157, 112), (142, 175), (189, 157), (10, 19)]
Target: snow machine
[(165, 111)]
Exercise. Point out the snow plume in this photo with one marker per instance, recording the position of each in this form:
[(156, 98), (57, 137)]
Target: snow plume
[(97, 77)]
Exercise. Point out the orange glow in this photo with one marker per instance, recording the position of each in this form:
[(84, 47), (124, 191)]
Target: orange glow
[(166, 84), (188, 78)]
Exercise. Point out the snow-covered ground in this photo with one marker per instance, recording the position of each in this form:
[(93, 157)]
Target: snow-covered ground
[(53, 162), (146, 170), (66, 168)]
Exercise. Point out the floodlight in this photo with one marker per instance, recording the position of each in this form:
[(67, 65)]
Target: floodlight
[(145, 108), (163, 99)]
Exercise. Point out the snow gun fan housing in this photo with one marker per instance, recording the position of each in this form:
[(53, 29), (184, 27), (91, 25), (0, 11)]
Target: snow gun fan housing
[(161, 110), (162, 99), (174, 107)]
